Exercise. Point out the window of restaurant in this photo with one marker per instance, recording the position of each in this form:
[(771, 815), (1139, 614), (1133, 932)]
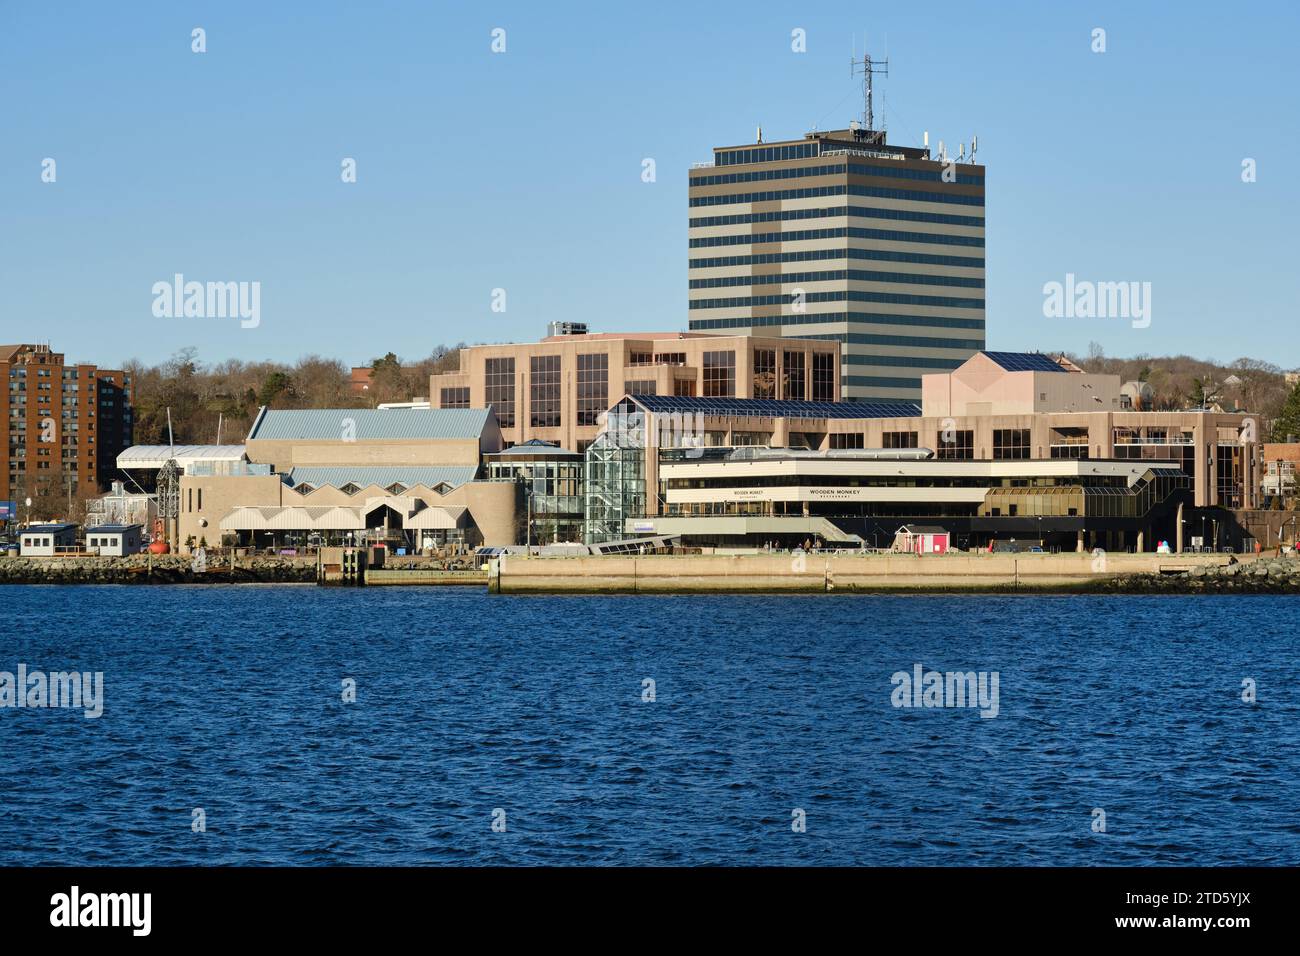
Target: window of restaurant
[(1010, 443), (955, 445)]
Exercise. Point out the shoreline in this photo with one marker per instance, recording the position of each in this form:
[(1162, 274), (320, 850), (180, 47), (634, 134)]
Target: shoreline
[(154, 569), (897, 574), (759, 574)]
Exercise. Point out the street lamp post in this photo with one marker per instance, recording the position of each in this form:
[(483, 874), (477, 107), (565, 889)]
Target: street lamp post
[(528, 525)]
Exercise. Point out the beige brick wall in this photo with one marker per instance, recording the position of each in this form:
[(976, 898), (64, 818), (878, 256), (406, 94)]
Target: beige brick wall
[(206, 500), (283, 455)]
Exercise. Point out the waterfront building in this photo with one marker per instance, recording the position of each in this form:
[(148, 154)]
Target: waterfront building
[(47, 540), (556, 390), (115, 540), (843, 237), (407, 478), (641, 431), (551, 479), (65, 423), (1000, 423), (849, 498)]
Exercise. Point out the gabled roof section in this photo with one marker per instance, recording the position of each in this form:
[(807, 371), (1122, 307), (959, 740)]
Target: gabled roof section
[(362, 424), (1024, 361)]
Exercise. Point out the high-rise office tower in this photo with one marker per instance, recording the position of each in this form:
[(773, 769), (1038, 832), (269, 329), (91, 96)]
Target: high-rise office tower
[(843, 236)]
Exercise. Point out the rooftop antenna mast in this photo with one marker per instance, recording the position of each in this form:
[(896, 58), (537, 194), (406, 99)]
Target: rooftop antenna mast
[(868, 67)]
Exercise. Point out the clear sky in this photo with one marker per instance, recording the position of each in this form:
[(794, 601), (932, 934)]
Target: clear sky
[(522, 170)]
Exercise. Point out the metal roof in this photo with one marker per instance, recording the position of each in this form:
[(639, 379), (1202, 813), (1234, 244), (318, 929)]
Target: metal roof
[(774, 408), (155, 456), (46, 528), (535, 447), (112, 528), (1024, 361), (382, 475), (368, 423)]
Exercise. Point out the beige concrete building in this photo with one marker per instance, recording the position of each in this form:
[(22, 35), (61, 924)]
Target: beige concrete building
[(556, 390), (408, 478), (1019, 419), (265, 511), (844, 237), (1013, 383)]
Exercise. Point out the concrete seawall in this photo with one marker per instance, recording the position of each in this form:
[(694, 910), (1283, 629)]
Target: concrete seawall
[(424, 576), (821, 573)]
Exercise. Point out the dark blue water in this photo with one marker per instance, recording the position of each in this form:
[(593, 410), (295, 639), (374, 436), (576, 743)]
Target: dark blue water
[(229, 699)]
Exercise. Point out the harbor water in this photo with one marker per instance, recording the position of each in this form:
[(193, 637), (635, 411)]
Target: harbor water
[(305, 725)]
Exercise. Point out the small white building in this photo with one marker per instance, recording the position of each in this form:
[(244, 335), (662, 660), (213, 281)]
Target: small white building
[(115, 540), (46, 540)]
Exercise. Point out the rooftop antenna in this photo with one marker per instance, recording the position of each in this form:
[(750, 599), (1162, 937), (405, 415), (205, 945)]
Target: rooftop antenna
[(867, 67)]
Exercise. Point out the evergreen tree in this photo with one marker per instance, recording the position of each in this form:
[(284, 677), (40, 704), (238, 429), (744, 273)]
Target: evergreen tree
[(1287, 425)]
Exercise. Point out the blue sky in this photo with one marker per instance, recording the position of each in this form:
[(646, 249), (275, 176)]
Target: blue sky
[(522, 170)]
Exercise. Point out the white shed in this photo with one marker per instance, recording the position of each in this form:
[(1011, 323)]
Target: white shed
[(45, 540), (115, 540)]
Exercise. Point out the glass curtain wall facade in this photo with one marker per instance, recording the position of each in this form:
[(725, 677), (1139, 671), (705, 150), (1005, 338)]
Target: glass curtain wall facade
[(552, 487), (614, 489)]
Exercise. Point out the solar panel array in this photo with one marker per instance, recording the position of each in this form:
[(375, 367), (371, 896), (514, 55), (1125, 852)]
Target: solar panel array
[(775, 408), (1024, 362)]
